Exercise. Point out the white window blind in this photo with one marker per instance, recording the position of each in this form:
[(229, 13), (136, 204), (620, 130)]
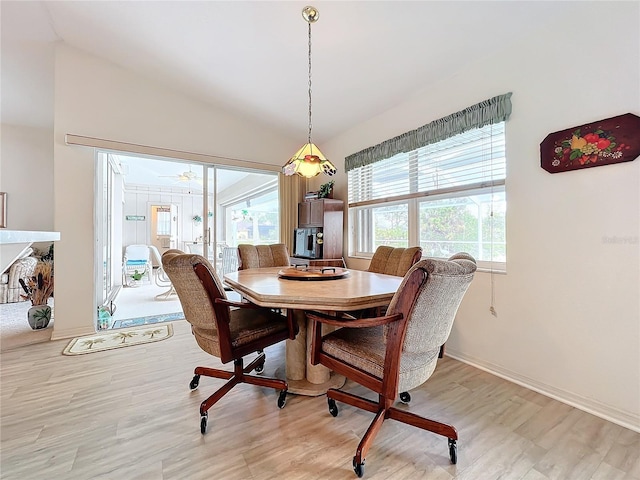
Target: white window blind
[(467, 161)]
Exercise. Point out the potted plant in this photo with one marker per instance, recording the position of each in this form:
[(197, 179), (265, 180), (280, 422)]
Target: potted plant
[(326, 190), (136, 276), (38, 288)]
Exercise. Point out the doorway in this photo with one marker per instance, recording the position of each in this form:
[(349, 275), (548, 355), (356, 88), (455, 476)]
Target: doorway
[(163, 228), (168, 203)]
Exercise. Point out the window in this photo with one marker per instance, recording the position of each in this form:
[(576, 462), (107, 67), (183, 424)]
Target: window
[(447, 195), (384, 224), (464, 224), (251, 213)]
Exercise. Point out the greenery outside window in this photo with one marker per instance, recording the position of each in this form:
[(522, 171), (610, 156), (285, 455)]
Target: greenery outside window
[(465, 224), (255, 218), (384, 224)]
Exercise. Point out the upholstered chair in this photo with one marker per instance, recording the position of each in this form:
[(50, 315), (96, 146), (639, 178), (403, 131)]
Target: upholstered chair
[(225, 329), (394, 261), (258, 256), (398, 351), (390, 261)]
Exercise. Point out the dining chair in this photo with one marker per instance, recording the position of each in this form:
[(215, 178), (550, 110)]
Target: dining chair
[(394, 260), (225, 329), (229, 260), (398, 351), (258, 256), (390, 261)]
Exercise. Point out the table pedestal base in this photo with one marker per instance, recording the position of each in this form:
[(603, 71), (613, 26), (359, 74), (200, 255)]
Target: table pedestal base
[(305, 387), (302, 377)]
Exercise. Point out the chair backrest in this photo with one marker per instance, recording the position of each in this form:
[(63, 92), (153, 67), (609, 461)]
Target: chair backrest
[(229, 260), (137, 252), (394, 261), (197, 286), (197, 248), (432, 291), (155, 255), (258, 256)]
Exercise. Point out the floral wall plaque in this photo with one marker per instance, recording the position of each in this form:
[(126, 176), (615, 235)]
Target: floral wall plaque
[(613, 140)]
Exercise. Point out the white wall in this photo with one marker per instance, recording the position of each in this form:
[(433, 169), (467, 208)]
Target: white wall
[(568, 314), (97, 99), (137, 201), (26, 166)]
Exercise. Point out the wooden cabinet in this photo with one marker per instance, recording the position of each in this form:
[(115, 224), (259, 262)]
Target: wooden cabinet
[(325, 213), (311, 213)]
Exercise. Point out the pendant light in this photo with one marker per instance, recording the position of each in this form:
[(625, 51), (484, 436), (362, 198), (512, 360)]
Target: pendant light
[(309, 160)]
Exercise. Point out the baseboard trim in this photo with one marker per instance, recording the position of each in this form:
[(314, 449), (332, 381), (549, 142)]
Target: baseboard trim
[(71, 333), (612, 414)]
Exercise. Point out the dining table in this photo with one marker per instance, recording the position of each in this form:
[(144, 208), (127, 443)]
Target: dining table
[(319, 290)]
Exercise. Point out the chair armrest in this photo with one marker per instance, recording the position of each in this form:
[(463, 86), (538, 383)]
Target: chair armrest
[(357, 323), (292, 325), (232, 303), (318, 318)]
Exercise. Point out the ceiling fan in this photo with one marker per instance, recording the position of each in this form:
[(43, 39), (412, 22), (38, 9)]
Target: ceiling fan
[(185, 177)]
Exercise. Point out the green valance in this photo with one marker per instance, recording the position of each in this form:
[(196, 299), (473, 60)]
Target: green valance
[(494, 110)]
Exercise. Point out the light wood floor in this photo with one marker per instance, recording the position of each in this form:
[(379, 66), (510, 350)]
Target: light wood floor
[(128, 414)]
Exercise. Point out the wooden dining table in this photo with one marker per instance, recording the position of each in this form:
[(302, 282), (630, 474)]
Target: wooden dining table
[(352, 290)]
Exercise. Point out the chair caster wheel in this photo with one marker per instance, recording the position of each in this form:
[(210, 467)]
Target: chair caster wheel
[(259, 368), (203, 423), (282, 399), (333, 408), (405, 397), (194, 382), (453, 451), (358, 468)]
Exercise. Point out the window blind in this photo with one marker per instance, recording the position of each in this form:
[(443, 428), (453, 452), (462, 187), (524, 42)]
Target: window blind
[(493, 110), (470, 160)]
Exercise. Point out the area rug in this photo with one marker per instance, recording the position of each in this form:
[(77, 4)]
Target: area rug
[(134, 322), (117, 339)]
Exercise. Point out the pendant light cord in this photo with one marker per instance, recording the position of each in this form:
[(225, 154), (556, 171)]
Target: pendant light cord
[(310, 84), (492, 307)]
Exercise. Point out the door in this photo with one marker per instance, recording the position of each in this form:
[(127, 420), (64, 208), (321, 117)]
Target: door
[(163, 227), (108, 230)]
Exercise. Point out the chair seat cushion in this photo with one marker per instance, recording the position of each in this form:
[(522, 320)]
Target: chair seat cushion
[(136, 262), (247, 324), (364, 348)]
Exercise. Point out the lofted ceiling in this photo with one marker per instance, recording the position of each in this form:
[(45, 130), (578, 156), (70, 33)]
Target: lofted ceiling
[(251, 57)]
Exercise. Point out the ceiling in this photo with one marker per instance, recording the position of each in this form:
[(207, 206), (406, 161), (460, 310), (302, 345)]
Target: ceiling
[(251, 57), (144, 171)]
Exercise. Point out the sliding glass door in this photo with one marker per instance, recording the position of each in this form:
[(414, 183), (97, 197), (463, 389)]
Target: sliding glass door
[(197, 208), (108, 229)]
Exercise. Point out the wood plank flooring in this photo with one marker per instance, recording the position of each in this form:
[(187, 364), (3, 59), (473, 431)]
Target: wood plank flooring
[(128, 414)]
